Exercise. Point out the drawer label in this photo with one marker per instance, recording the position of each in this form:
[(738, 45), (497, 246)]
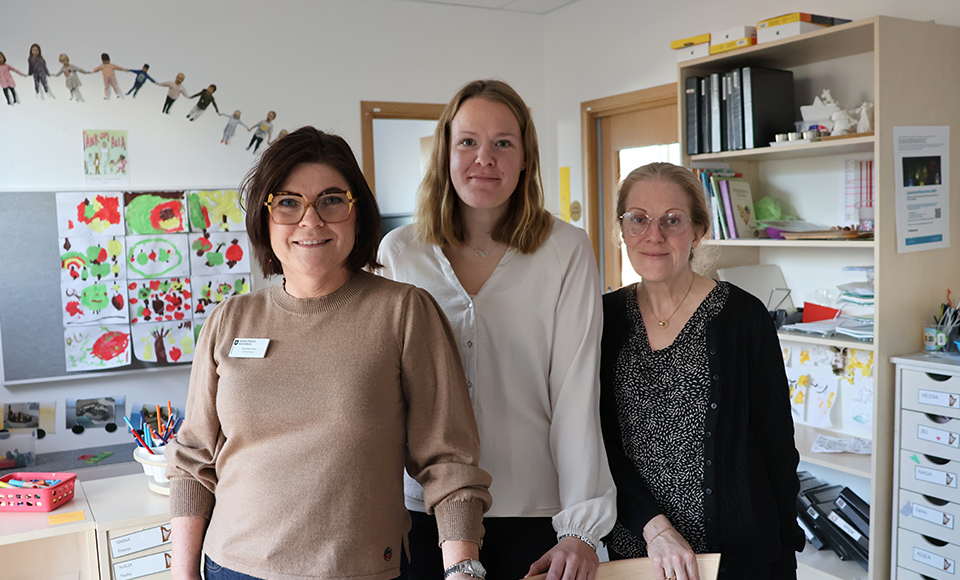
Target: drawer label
[(936, 476), (843, 525), (938, 436), (938, 398), (936, 517), (931, 559), (146, 565), (140, 541)]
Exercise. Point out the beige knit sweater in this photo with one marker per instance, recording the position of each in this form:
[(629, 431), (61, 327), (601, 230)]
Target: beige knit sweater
[(297, 458)]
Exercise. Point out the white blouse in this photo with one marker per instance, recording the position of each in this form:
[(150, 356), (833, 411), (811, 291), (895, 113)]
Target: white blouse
[(530, 342)]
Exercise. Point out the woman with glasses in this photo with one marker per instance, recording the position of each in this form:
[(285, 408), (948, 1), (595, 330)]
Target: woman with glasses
[(522, 292), (694, 400), (309, 398)]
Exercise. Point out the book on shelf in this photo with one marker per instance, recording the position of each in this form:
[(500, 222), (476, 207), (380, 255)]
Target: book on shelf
[(732, 233), (741, 202), (767, 104), (708, 179), (717, 120), (691, 102), (721, 218), (800, 17), (705, 141), (735, 117)]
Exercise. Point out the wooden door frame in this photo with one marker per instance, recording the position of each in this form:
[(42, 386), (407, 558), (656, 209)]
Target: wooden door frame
[(370, 110), (590, 111)]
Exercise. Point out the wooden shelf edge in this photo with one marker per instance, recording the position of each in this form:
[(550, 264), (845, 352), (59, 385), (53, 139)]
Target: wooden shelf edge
[(825, 564), (816, 149), (851, 463), (825, 341), (768, 243)]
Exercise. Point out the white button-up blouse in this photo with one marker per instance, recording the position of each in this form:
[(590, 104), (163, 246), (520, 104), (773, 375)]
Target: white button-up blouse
[(530, 342)]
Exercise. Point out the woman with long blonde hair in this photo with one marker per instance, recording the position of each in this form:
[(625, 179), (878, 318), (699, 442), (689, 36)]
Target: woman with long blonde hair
[(522, 292)]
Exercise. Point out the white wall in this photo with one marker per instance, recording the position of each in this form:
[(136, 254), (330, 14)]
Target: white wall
[(311, 62), (599, 48)]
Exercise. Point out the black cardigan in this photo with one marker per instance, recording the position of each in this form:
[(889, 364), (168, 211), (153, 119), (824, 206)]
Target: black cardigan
[(750, 461)]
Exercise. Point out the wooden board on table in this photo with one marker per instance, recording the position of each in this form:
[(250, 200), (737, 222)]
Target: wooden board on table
[(642, 569)]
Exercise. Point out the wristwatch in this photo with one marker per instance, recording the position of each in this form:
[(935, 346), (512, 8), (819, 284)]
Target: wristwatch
[(469, 567)]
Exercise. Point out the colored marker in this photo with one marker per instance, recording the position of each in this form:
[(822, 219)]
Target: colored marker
[(159, 424), (137, 435), (5, 484)]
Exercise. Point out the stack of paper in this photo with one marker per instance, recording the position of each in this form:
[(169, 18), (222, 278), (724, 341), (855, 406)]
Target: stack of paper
[(861, 331)]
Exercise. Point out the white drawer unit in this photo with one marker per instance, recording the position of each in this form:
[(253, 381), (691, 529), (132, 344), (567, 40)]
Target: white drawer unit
[(926, 535)]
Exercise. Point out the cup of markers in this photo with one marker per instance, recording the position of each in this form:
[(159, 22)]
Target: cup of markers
[(151, 444)]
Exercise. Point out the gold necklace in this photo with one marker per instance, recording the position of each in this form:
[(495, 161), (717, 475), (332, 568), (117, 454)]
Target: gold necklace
[(666, 322)]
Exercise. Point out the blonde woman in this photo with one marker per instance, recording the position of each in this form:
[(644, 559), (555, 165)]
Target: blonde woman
[(522, 292)]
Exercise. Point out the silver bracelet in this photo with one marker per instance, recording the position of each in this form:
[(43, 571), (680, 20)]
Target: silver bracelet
[(581, 538)]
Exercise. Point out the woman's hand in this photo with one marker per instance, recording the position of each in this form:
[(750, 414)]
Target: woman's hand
[(672, 556), (187, 538), (570, 559)]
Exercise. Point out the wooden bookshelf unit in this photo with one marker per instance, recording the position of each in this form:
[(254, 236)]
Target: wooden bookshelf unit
[(908, 70)]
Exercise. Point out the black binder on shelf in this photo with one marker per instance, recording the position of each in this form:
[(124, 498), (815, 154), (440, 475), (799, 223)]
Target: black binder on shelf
[(818, 503), (807, 520), (717, 126), (691, 98), (725, 142), (767, 104), (862, 542), (735, 119), (705, 115), (855, 510)]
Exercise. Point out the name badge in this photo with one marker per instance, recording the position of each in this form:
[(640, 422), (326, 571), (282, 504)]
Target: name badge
[(249, 347)]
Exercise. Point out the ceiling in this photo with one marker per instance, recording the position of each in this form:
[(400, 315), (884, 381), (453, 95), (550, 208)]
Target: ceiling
[(528, 6)]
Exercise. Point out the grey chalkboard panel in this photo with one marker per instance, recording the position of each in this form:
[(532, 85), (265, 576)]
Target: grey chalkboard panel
[(31, 326)]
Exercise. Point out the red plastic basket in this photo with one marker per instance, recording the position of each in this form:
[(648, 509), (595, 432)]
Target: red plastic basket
[(15, 499)]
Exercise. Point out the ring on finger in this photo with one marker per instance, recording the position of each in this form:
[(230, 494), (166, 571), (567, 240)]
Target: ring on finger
[(673, 577)]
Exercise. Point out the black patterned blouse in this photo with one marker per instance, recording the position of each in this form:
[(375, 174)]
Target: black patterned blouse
[(662, 401)]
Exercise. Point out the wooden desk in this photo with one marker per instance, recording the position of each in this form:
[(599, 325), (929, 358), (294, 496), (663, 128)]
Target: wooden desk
[(122, 506), (30, 547)]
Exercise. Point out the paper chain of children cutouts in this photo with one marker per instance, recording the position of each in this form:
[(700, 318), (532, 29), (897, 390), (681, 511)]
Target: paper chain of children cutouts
[(38, 70)]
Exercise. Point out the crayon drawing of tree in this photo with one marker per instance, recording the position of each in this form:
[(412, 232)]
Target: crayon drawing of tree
[(158, 334)]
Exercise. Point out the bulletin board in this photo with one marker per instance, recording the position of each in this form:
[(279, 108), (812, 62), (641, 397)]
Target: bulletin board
[(31, 318)]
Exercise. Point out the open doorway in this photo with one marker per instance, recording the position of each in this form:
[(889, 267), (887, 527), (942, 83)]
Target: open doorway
[(396, 143), (642, 125)]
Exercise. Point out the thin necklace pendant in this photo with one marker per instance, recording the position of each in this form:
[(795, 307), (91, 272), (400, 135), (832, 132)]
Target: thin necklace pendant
[(481, 253), (666, 323)]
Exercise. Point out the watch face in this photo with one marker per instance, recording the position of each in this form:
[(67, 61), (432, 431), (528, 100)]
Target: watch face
[(475, 568)]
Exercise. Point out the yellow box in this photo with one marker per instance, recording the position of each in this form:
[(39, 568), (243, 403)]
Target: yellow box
[(732, 45), (692, 41)]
